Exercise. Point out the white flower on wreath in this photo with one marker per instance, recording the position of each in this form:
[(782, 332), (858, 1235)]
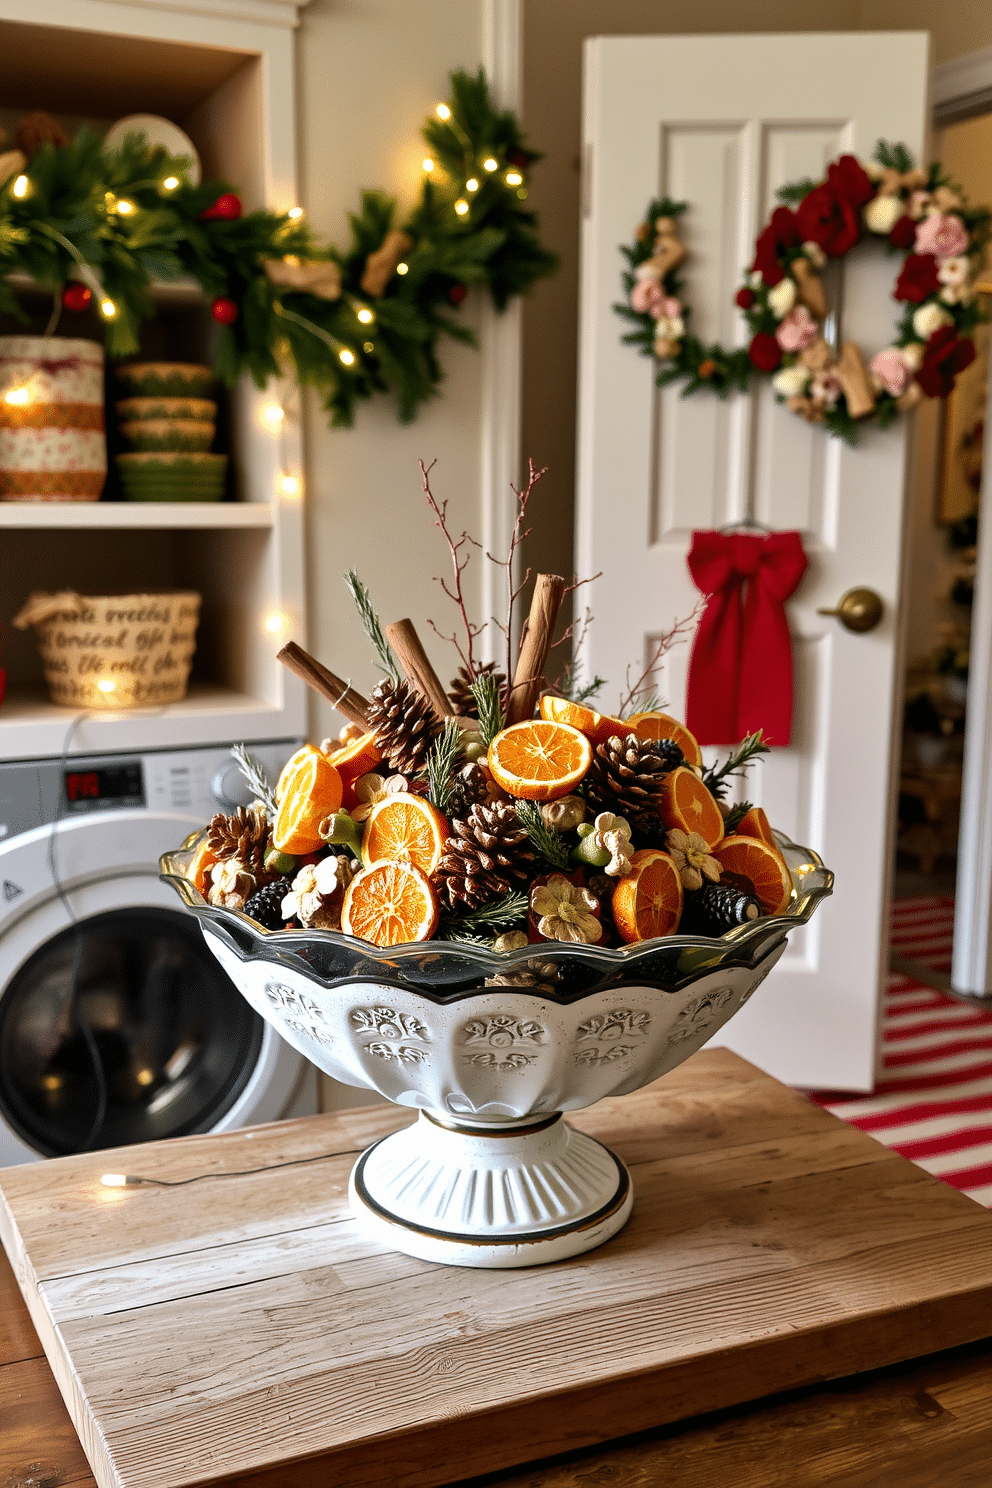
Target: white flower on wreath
[(929, 318), (954, 271), (647, 270), (792, 381), (814, 253), (912, 355), (669, 327), (756, 279), (825, 390), (882, 213), (957, 294), (782, 297)]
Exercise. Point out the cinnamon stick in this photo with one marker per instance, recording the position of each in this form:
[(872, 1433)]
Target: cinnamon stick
[(549, 591), (417, 667), (337, 692)]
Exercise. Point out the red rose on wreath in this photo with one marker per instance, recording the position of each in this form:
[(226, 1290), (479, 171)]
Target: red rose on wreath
[(765, 352), (918, 280), (943, 358), (903, 234), (782, 232), (829, 220), (847, 178)]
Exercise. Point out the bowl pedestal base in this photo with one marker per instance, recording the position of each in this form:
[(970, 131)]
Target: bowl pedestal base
[(494, 1195)]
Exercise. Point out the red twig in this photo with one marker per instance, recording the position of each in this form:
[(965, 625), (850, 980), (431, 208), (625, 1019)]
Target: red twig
[(673, 637), (460, 555)]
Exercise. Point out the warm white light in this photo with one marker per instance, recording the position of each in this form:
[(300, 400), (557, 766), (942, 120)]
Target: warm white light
[(125, 208), (272, 417), (368, 346), (514, 178), (443, 111), (472, 185), (20, 186), (490, 164), (295, 213), (461, 207), (114, 1180), (427, 164), (346, 356), (170, 183), (145, 1077), (365, 316), (106, 684), (522, 193), (289, 487), (18, 397), (275, 622), (108, 309), (403, 268)]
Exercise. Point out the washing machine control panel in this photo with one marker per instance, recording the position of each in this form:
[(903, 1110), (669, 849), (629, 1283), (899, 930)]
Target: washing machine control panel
[(196, 782)]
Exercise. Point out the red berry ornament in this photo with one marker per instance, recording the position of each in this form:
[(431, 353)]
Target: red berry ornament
[(224, 310), (457, 293), (76, 296), (227, 208), (765, 352)]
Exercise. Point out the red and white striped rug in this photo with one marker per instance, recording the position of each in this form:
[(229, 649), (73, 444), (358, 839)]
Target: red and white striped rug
[(933, 1102)]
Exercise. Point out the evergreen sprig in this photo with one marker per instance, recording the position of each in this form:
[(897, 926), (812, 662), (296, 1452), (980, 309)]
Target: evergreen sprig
[(500, 914), (255, 776), (544, 838), (715, 779), (371, 624), (487, 695), (735, 816), (441, 760)]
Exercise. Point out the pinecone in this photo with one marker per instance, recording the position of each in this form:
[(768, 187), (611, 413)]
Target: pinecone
[(625, 777), (487, 854), (265, 905), (405, 726), (244, 835), (461, 699), (670, 751), (473, 786), (716, 908)]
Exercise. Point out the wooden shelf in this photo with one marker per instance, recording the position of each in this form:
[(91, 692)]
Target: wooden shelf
[(136, 514), (184, 291)]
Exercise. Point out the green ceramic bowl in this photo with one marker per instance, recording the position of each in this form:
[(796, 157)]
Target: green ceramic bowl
[(166, 379), (168, 434), (203, 410)]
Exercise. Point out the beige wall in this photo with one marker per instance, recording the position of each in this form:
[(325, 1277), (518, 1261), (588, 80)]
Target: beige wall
[(554, 31), (369, 71)]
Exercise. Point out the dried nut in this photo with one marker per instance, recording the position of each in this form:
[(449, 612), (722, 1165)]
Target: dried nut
[(510, 940), (564, 814)]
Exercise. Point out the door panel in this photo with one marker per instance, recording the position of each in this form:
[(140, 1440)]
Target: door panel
[(721, 122)]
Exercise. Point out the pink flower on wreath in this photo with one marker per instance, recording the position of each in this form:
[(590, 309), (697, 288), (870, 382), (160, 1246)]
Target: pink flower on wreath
[(888, 369), (943, 234), (798, 330), (647, 297)]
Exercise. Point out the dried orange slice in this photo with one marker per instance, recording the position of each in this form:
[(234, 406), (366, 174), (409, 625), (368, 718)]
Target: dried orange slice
[(688, 805), (199, 868), (290, 768), (758, 868), (597, 727), (389, 904), (661, 726), (756, 824), (648, 902), (357, 757), (310, 793), (539, 761), (407, 829)]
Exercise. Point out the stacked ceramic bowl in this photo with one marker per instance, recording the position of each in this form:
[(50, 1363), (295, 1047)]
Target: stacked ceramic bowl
[(170, 426)]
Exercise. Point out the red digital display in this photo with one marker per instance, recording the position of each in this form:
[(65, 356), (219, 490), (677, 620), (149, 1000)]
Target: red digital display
[(82, 785)]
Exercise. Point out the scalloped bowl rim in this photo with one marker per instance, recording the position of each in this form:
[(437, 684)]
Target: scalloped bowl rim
[(500, 961)]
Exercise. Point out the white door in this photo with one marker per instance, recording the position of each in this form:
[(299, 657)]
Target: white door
[(721, 122)]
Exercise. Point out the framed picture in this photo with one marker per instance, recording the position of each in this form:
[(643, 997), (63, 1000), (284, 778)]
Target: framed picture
[(960, 478)]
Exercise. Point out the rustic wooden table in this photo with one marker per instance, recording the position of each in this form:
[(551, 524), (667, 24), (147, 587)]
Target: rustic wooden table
[(912, 1424)]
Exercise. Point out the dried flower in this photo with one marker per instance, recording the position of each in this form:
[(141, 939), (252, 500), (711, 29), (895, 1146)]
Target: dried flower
[(230, 884), (510, 940), (317, 893), (612, 834), (692, 858), (564, 814), (371, 788), (565, 911)]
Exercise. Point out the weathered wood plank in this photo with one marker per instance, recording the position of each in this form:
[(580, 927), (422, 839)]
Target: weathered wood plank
[(239, 1329)]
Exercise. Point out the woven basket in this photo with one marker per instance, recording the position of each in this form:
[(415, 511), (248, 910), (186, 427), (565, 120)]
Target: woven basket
[(114, 651)]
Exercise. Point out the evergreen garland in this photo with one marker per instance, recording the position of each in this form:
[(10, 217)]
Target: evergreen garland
[(109, 219)]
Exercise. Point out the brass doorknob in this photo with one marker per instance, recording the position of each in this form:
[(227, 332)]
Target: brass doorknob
[(858, 610)]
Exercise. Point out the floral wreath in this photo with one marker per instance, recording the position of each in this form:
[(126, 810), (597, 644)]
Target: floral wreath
[(920, 214)]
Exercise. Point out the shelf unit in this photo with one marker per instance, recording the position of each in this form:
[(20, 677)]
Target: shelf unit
[(224, 74)]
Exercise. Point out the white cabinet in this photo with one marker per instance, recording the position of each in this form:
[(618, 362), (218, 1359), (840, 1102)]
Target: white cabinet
[(223, 71)]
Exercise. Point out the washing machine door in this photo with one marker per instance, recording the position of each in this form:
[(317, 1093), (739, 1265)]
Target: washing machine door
[(117, 1025)]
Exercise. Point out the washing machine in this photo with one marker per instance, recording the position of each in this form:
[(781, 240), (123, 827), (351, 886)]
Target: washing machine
[(117, 1025)]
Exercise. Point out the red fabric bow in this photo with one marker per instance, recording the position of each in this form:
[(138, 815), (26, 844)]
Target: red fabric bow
[(740, 672)]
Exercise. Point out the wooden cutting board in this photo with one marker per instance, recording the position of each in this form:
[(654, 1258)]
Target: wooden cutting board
[(238, 1329)]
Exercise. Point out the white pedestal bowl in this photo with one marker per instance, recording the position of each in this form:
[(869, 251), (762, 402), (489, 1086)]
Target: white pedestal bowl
[(491, 1049)]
